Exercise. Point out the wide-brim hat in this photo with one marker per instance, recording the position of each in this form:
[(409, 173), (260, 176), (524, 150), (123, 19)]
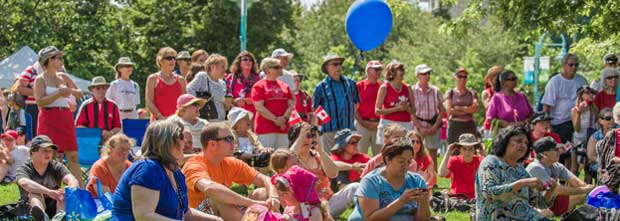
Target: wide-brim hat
[(98, 81), (123, 61), (48, 52), (327, 59), (468, 139), (236, 114), (188, 99), (280, 52), (183, 55), (343, 137)]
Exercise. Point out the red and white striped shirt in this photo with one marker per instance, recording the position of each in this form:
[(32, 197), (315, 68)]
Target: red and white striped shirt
[(29, 74), (426, 103)]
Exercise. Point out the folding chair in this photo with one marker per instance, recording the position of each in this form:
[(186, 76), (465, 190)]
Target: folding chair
[(88, 140), (135, 128)]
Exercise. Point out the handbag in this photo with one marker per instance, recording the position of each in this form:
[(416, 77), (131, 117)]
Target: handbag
[(209, 111)]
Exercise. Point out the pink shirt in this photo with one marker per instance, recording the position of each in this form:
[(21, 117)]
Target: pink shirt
[(426, 103), (505, 107)]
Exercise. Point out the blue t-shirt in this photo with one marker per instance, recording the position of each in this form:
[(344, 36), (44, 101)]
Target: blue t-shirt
[(375, 186), (150, 174)]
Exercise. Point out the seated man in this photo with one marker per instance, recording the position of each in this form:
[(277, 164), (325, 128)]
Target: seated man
[(211, 174), (40, 178), (541, 127), (349, 160), (12, 156), (547, 169), (461, 167), (98, 111)]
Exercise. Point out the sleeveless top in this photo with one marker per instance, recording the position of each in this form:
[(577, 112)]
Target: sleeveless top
[(585, 123), (166, 95), (392, 99), (322, 185), (60, 102)]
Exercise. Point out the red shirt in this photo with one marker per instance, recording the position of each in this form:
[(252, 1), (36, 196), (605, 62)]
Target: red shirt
[(239, 86), (165, 96), (354, 176), (29, 74), (603, 100), (368, 94), (392, 99), (91, 109), (463, 183), (423, 163), (275, 96), (303, 105)]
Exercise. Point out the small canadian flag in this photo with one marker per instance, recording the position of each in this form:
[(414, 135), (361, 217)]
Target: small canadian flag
[(322, 115), (295, 118)]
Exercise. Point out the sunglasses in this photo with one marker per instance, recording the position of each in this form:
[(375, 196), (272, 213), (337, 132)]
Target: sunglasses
[(416, 141), (612, 78), (461, 76), (336, 64), (169, 58), (607, 118), (354, 142), (247, 59), (512, 79), (573, 64), (229, 138), (427, 73), (276, 67)]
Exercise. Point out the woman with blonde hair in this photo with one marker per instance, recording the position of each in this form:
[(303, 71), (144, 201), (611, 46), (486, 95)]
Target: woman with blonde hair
[(164, 87), (112, 164), (243, 75), (209, 85), (426, 166), (154, 188)]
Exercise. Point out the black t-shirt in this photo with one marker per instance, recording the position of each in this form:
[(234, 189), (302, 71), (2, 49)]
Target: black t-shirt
[(51, 178)]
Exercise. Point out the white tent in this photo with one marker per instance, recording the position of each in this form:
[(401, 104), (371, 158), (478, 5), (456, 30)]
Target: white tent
[(12, 66)]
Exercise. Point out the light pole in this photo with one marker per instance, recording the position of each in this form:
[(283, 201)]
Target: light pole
[(537, 54), (243, 27)]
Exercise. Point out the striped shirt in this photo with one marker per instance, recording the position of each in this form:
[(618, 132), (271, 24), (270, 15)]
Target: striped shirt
[(105, 116), (29, 74), (338, 99), (426, 103)]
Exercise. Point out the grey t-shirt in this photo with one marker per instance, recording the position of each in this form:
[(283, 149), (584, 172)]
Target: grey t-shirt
[(556, 171), (51, 178)]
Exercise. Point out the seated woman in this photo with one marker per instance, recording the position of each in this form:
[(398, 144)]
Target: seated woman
[(504, 189), (426, 167), (392, 192), (154, 188), (310, 155), (606, 123), (465, 164), (349, 160), (248, 148), (389, 133), (112, 164), (609, 156), (297, 193)]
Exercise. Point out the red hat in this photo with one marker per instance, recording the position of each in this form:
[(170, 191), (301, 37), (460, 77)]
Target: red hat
[(9, 133)]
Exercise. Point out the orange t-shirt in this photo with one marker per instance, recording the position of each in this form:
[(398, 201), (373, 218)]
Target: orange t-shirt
[(101, 170), (228, 171)]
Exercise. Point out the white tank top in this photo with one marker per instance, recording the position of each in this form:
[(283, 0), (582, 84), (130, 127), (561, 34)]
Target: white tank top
[(60, 102)]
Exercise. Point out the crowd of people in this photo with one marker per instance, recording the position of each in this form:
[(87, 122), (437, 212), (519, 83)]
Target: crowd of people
[(224, 142)]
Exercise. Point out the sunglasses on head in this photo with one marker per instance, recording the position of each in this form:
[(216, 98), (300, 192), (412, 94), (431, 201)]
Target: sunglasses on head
[(169, 58), (229, 138), (607, 118)]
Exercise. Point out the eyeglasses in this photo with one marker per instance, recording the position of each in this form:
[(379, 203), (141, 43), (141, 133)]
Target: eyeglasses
[(573, 64), (169, 58), (461, 76), (416, 141), (612, 78), (247, 59), (229, 138), (512, 79), (607, 118), (336, 64)]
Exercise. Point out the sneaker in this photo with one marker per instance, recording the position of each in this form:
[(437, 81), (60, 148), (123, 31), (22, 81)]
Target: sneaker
[(38, 214), (60, 216)]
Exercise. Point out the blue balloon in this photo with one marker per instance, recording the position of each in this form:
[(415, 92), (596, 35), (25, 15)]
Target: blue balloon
[(368, 23)]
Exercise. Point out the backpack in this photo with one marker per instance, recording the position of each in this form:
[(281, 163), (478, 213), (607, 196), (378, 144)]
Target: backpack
[(443, 202)]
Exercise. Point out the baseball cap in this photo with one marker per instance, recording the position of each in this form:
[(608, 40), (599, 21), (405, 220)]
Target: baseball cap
[(610, 58), (422, 68), (343, 137), (42, 141), (374, 64), (540, 116), (9, 133), (545, 144), (280, 52)]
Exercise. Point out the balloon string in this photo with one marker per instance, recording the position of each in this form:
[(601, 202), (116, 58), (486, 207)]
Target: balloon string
[(356, 64)]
